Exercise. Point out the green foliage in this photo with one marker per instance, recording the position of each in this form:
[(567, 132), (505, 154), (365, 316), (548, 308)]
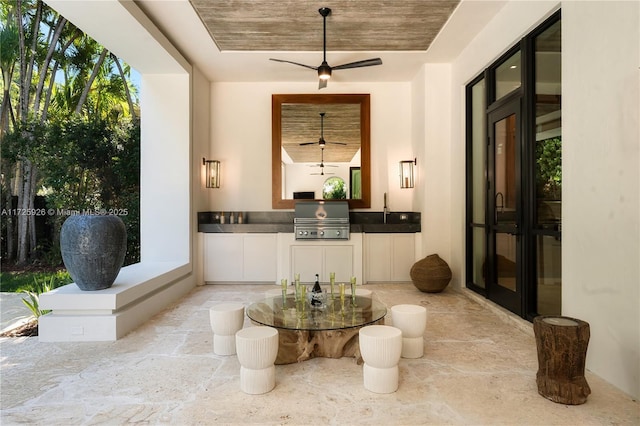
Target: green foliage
[(549, 168), (16, 282), (33, 303), (85, 165), (334, 189), (81, 161)]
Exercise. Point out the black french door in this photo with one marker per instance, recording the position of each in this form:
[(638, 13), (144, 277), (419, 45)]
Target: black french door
[(504, 263)]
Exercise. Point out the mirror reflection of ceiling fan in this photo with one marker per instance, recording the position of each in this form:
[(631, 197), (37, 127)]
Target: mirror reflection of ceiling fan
[(322, 165), (322, 173), (324, 70), (321, 141)]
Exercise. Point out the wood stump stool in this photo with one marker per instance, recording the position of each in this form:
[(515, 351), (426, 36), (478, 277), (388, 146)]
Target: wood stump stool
[(562, 350)]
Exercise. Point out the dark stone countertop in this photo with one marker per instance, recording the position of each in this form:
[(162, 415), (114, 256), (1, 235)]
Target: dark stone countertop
[(282, 221)]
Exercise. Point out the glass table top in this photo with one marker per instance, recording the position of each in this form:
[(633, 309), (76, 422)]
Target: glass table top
[(333, 314)]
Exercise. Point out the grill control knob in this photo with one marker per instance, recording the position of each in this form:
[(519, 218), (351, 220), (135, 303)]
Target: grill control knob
[(321, 232), (306, 233), (337, 232)]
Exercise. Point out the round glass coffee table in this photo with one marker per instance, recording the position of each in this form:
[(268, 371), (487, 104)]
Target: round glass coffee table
[(306, 331)]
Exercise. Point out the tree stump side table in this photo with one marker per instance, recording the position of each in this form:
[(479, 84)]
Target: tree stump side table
[(562, 350)]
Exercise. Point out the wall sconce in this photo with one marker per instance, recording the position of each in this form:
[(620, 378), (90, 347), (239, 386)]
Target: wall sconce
[(406, 173), (212, 171)]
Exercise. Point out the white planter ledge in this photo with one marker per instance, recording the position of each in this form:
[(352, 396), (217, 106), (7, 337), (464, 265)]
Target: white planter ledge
[(139, 292)]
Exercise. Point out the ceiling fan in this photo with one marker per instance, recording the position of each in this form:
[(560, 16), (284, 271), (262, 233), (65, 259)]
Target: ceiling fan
[(321, 141), (321, 164), (324, 70), (322, 173)]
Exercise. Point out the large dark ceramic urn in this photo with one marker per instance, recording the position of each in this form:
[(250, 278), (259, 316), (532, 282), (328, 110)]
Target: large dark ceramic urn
[(93, 249)]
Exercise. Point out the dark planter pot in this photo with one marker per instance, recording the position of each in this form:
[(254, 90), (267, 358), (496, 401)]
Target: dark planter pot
[(93, 249)]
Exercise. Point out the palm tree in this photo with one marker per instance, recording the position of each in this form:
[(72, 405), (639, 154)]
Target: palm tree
[(39, 46)]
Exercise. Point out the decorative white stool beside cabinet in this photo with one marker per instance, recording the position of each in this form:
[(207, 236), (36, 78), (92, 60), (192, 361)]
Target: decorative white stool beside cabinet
[(380, 347), (257, 349), (226, 319), (412, 320)]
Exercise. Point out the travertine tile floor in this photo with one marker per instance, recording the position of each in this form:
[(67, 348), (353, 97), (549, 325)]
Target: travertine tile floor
[(479, 369)]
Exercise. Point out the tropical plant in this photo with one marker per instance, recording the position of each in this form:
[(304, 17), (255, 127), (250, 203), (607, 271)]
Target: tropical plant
[(33, 303), (334, 189), (51, 71), (549, 168)]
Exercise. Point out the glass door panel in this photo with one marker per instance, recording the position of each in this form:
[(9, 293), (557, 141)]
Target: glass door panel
[(477, 186), (504, 147), (508, 76), (549, 273), (547, 165)]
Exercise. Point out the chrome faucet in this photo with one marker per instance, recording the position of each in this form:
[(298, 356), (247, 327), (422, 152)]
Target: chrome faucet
[(386, 210)]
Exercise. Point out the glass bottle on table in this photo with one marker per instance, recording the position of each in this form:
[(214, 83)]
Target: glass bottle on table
[(316, 293)]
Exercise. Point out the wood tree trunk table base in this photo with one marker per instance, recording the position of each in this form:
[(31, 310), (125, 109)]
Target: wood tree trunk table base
[(329, 330), (562, 349), (301, 345)]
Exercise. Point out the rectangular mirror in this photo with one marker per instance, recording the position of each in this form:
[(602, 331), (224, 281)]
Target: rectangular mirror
[(321, 149)]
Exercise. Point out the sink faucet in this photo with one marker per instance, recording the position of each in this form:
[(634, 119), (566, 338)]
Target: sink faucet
[(386, 210)]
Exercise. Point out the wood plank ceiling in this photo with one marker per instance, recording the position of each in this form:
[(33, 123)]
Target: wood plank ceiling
[(296, 25)]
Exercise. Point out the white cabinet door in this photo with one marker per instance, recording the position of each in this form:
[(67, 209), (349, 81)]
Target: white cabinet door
[(240, 257), (260, 257), (403, 256), (378, 252), (389, 257), (310, 260), (306, 261), (338, 259), (223, 257)]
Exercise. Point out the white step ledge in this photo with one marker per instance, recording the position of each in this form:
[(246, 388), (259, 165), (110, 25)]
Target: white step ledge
[(139, 292)]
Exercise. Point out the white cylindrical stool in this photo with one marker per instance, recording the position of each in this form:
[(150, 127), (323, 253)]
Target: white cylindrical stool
[(412, 320), (380, 347), (226, 319), (257, 349)]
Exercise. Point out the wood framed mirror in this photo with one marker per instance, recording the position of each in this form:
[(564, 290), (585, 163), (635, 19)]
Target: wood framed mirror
[(301, 162)]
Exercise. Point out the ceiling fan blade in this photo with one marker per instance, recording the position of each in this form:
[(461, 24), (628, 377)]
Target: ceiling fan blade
[(359, 64), (308, 143), (323, 165), (322, 83), (336, 143), (294, 63)]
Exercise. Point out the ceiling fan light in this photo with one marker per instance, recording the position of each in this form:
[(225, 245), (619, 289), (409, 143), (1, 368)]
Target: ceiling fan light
[(324, 71)]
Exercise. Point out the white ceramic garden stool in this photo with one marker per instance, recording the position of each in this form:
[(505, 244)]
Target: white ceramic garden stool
[(412, 320), (226, 319), (257, 349), (380, 347)]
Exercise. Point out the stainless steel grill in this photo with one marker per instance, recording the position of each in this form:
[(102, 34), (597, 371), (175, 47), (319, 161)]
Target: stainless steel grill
[(319, 220)]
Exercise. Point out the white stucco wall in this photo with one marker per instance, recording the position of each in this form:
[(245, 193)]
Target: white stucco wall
[(601, 276), (241, 140), (601, 183)]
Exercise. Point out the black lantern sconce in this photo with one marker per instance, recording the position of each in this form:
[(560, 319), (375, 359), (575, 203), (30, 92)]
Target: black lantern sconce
[(212, 172), (406, 173)]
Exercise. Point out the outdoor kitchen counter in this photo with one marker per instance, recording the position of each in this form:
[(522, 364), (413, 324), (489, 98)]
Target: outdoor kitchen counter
[(269, 228), (282, 222)]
